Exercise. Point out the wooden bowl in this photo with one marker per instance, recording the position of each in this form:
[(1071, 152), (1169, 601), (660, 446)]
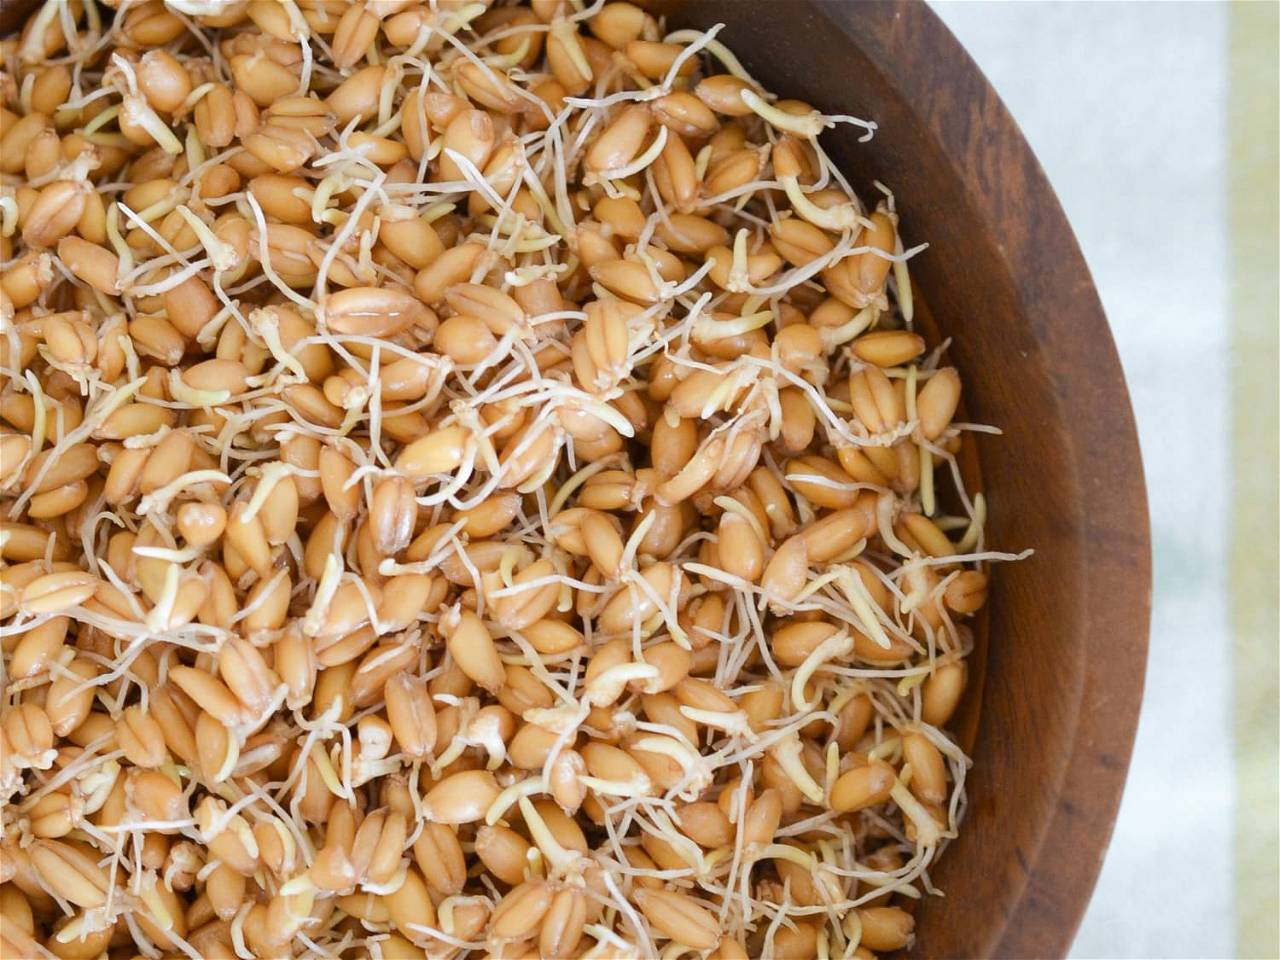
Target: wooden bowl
[(1004, 275), (1062, 682)]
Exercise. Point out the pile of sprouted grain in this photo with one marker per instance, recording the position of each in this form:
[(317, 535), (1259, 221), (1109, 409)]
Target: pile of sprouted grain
[(467, 478)]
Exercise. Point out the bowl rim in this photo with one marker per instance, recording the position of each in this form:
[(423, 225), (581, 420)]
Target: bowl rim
[(904, 40)]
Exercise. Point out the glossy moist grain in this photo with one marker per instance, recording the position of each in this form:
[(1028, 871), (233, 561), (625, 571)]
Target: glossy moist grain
[(478, 485)]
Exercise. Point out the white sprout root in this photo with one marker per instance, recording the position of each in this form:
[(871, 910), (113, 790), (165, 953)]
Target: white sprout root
[(469, 472)]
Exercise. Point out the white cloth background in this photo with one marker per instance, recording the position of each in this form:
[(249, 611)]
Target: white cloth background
[(1125, 105)]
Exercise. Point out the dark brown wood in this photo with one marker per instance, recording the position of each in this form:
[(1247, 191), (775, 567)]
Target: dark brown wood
[(13, 14), (1063, 675), (1004, 275)]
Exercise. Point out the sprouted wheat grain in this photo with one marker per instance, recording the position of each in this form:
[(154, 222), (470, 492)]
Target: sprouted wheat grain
[(471, 485)]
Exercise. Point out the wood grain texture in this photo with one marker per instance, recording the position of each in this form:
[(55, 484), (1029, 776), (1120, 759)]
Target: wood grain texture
[(1004, 275)]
